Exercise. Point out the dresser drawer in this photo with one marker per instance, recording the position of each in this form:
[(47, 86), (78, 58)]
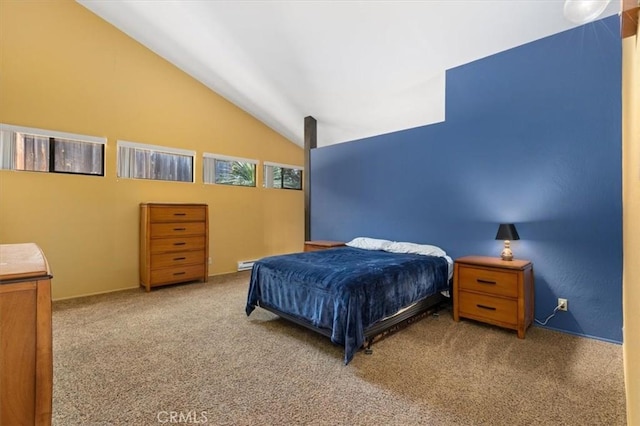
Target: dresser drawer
[(166, 260), (177, 229), (177, 214), (162, 245), (178, 274), (498, 282), (488, 308)]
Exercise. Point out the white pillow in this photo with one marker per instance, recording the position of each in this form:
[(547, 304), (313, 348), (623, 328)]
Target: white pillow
[(424, 249), (367, 243)]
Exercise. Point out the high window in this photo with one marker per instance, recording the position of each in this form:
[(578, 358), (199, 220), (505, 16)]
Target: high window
[(225, 170), (282, 176), (38, 150), (142, 161)]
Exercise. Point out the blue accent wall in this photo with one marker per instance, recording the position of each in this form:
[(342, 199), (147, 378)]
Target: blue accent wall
[(532, 136)]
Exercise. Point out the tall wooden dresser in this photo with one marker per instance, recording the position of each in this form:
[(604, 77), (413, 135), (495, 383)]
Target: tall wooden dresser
[(174, 243), (26, 354)]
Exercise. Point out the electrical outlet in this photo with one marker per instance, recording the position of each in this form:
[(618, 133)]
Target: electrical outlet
[(563, 304)]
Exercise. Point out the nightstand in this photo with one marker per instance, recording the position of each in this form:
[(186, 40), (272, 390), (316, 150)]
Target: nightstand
[(494, 291), (321, 245)]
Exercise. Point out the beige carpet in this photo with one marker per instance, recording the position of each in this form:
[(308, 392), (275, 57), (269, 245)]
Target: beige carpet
[(189, 351)]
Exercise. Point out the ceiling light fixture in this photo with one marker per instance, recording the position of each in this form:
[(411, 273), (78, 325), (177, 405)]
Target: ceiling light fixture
[(583, 11)]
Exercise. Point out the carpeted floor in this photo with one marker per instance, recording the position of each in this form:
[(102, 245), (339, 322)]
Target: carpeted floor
[(189, 354)]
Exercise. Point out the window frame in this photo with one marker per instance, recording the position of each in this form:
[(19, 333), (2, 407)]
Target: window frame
[(54, 137), (281, 166), (157, 149), (214, 157)]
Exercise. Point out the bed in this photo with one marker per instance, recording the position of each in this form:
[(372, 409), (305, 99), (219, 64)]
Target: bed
[(351, 294)]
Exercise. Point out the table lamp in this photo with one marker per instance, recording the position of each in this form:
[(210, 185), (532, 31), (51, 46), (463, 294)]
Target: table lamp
[(508, 233)]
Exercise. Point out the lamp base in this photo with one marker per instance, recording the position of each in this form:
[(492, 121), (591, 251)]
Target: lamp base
[(506, 253)]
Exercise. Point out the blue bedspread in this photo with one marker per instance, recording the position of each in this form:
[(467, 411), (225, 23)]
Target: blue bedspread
[(345, 290)]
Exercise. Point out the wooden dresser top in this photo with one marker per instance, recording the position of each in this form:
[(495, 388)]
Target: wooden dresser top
[(325, 243), (154, 203), (22, 261), (493, 261)]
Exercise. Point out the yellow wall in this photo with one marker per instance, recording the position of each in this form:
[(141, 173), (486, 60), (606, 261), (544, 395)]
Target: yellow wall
[(631, 224), (63, 68)]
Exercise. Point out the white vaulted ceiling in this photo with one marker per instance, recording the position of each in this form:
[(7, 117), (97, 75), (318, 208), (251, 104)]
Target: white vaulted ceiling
[(361, 68)]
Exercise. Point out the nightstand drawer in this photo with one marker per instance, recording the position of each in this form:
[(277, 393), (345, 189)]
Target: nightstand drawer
[(499, 282), (493, 309)]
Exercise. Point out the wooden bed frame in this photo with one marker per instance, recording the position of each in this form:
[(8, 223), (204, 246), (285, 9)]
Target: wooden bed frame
[(388, 325)]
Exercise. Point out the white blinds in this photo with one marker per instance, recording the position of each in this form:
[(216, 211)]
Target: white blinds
[(141, 161)]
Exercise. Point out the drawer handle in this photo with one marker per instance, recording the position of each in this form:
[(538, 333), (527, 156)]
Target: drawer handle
[(179, 244), (481, 281), (179, 214), (179, 258), (179, 273), (179, 229), (489, 308)]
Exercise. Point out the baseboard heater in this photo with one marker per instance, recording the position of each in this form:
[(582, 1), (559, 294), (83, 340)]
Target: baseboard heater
[(245, 265)]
